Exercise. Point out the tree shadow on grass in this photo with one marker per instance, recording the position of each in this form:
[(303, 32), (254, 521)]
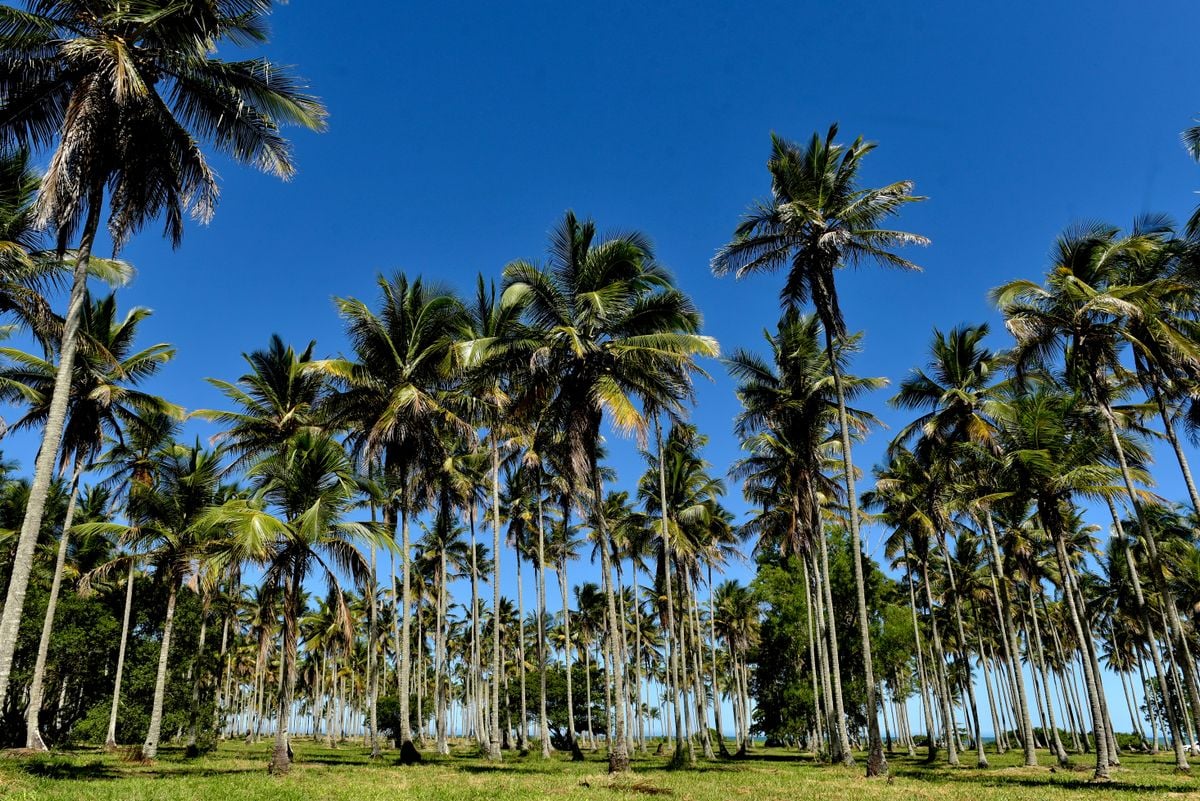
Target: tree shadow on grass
[(62, 769)]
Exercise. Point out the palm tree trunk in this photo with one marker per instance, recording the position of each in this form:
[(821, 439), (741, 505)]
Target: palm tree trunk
[(949, 726), (372, 661), (1039, 660), (281, 759), (1191, 683), (876, 762), (543, 718), (197, 677), (494, 751), (981, 760), (637, 661), (408, 751), (814, 666), (110, 739), (150, 747), (673, 671), (618, 754), (33, 735), (712, 649), (1090, 679), (1011, 644), (522, 730), (576, 754), (47, 455), (926, 706), (840, 724)]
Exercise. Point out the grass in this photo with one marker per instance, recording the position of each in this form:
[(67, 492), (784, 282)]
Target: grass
[(237, 771)]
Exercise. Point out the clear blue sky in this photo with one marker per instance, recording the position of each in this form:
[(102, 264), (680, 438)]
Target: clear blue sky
[(459, 133)]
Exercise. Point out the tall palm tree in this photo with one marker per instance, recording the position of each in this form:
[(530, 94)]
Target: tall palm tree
[(103, 399), (951, 394), (124, 93), (294, 524), (395, 397), (790, 411), (818, 220), (611, 329)]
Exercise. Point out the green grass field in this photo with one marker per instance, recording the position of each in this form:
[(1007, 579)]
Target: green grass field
[(236, 771)]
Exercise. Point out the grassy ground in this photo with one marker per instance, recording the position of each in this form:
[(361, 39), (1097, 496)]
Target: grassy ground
[(236, 771)]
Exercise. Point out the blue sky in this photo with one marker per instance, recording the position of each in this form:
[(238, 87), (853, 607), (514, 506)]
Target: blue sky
[(459, 133)]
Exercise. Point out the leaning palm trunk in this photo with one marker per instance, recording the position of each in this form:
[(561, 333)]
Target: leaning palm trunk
[(150, 747), (43, 473), (1011, 645), (1039, 658), (1090, 680), (110, 739), (876, 762), (33, 735), (1191, 683)]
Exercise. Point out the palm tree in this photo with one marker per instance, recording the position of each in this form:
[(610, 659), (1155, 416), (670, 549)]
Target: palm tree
[(790, 411), (123, 94), (395, 400), (167, 529), (951, 395), (294, 524), (818, 220), (103, 400), (598, 356), (132, 464), (1081, 313)]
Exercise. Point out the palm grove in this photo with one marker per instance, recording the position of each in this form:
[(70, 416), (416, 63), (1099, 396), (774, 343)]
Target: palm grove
[(330, 564)]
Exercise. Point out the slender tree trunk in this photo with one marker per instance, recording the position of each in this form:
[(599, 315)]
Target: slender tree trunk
[(841, 734), (408, 751), (494, 751), (198, 677), (618, 753), (33, 735), (372, 661), (1039, 660), (543, 718), (949, 726), (47, 455), (930, 735), (1011, 645), (576, 754), (150, 747), (981, 760), (712, 649), (673, 670), (281, 758), (110, 740), (1090, 679), (522, 730), (876, 762)]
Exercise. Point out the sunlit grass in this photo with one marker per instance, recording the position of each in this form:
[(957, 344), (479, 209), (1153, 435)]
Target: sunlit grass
[(236, 771)]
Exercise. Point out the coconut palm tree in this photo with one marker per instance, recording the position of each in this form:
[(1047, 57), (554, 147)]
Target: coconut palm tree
[(123, 94), (104, 399), (610, 329), (293, 525), (790, 413), (395, 398), (818, 220)]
